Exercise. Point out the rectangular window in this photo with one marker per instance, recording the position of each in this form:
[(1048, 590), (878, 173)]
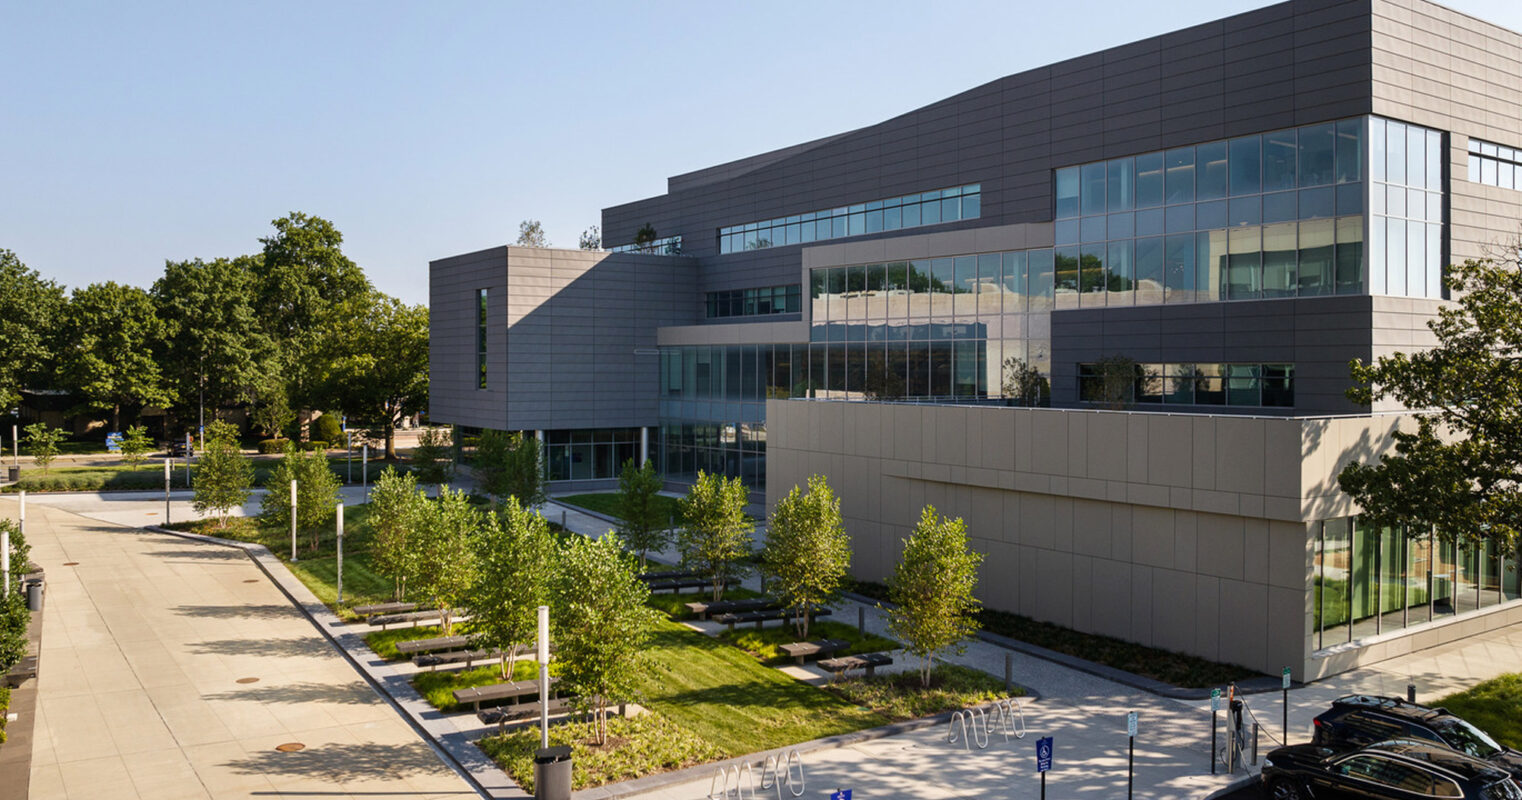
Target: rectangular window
[(480, 338)]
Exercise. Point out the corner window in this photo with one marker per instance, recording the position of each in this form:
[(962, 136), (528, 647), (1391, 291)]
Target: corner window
[(480, 338)]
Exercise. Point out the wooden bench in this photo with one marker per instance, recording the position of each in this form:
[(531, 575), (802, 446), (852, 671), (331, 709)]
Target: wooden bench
[(468, 657), (22, 670), (511, 690), (759, 617), (411, 616), (702, 610), (366, 612), (519, 712), (670, 575), (868, 661), (823, 648), (415, 646), (680, 585)]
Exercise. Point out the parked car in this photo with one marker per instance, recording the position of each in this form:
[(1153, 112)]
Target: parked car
[(1360, 719), (1400, 769), (176, 448)]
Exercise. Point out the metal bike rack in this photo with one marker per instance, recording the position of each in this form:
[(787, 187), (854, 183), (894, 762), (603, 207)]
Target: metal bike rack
[(777, 771), (1009, 717), (973, 723), (737, 780)]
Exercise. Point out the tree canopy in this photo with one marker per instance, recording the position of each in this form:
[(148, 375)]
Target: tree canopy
[(1459, 473), (374, 362), (212, 341), (932, 589), (29, 309), (807, 551), (107, 351), (716, 534)]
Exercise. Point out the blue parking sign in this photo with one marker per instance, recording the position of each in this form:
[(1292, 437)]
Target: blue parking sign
[(841, 794), (1044, 754)]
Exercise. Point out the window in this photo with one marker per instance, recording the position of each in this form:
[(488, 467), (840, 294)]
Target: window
[(1494, 165), (762, 301), (908, 211), (1256, 385), (669, 246), (480, 338)]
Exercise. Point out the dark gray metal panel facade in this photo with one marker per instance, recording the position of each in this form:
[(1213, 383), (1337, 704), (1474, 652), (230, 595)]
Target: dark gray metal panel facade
[(571, 336), (1288, 64), (1319, 335)]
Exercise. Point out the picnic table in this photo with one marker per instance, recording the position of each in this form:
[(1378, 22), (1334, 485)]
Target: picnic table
[(511, 690), (868, 661), (703, 609), (759, 617), (821, 648), (365, 612)]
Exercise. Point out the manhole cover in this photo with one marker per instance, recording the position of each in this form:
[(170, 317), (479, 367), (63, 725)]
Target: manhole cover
[(248, 680), (71, 563), (290, 747)]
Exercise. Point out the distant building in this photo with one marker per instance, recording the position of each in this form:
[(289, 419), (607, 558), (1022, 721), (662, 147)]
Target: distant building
[(1236, 210)]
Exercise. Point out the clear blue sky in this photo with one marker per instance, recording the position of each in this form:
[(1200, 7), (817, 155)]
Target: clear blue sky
[(139, 132)]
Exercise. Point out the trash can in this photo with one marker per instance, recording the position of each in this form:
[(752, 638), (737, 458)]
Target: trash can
[(34, 596), (13, 474), (552, 773)]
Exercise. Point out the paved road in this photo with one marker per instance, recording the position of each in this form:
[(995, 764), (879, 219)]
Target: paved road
[(149, 647)]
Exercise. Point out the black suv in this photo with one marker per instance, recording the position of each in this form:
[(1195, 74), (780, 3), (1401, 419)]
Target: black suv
[(1395, 770), (1359, 720)]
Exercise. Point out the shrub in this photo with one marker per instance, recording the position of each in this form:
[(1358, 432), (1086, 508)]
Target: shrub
[(272, 447), (326, 428), (314, 446)]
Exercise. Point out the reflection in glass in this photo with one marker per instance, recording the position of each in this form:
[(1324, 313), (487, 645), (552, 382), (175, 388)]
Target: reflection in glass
[(1246, 166), (1149, 180), (1122, 185), (1279, 256), (1149, 271), (1212, 176), (1179, 269), (1179, 175), (1278, 160)]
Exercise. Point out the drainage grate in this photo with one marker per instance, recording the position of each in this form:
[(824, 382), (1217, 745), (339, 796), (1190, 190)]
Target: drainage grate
[(290, 747)]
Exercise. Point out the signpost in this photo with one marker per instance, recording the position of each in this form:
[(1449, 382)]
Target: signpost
[(1043, 760), (1215, 708), (114, 442), (1131, 754), (1286, 705), (340, 552), (841, 794), (364, 472)]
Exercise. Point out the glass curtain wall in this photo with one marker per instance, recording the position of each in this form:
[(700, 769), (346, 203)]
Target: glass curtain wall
[(589, 454), (1372, 580)]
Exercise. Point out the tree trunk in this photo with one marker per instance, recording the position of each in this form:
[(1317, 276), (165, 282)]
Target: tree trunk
[(390, 439), (446, 620), (925, 671), (116, 417)]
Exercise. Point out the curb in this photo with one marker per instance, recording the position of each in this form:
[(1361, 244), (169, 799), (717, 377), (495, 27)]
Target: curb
[(1256, 685), (1236, 785)]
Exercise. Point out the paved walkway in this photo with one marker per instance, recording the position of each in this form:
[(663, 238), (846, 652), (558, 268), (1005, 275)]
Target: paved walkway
[(145, 642)]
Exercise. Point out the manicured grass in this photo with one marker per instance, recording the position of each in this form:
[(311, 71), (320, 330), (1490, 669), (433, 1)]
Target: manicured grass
[(151, 476), (1494, 706), (643, 745), (439, 687), (607, 503), (763, 644), (724, 696), (5, 704), (384, 642), (899, 695), (1177, 669), (675, 605)]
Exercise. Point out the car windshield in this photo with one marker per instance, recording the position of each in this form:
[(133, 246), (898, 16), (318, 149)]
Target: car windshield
[(1466, 738)]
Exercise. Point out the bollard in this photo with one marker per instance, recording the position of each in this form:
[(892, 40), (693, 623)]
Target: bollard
[(1411, 692), (861, 619), (1009, 672), (1254, 759)]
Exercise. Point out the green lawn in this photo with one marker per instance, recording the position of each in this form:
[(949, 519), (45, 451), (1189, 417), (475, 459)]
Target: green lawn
[(1494, 706), (150, 476), (384, 643), (1176, 669), (643, 745), (607, 503), (763, 644), (439, 687), (675, 605), (901, 695)]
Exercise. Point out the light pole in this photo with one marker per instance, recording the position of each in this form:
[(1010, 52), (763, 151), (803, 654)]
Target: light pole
[(544, 676), (168, 475), (340, 552), (293, 520)]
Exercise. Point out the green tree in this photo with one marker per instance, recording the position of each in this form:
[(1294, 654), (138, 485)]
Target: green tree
[(270, 397), (531, 234), (316, 493), (14, 615), (493, 461), (716, 534), (807, 551), (373, 357), (1113, 384), (30, 310), (224, 477), (932, 590), (591, 239), (1459, 473), (108, 340), (430, 459), (42, 443), (212, 341), (136, 446), (524, 477), (445, 554), (603, 625), (645, 236), (642, 525), (396, 516), (516, 560), (303, 279), (1025, 384)]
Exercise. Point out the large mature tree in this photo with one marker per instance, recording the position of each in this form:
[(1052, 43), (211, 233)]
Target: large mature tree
[(516, 572), (807, 550), (29, 313), (373, 358), (603, 625), (932, 590), (109, 336), (641, 522), (303, 279), (212, 339), (715, 535), (1459, 473)]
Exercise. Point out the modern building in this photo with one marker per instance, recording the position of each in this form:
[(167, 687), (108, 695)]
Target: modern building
[(1222, 217)]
